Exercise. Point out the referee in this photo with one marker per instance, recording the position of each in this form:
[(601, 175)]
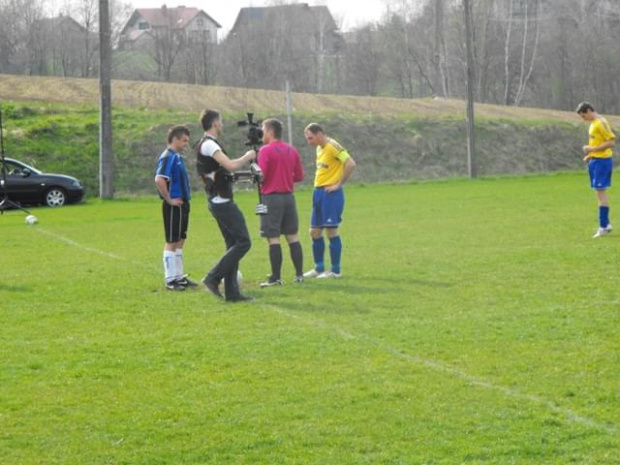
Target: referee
[(173, 185), (282, 168)]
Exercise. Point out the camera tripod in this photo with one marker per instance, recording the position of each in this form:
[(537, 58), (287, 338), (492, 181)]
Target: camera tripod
[(5, 202)]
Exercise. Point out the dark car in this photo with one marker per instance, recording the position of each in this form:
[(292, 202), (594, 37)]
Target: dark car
[(29, 186)]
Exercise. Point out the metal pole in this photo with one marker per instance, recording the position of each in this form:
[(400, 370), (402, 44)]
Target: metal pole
[(289, 112), (106, 155), (471, 136)]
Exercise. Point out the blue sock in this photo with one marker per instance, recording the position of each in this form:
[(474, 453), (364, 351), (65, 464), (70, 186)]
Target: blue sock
[(318, 251), (335, 251), (603, 216)]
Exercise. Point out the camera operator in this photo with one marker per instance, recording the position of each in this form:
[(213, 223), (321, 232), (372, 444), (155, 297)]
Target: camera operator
[(214, 168), (282, 168)]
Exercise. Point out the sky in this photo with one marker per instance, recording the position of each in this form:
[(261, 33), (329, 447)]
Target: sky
[(350, 12)]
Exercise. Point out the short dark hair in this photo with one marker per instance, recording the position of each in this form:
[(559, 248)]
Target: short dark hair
[(207, 118), (175, 132), (274, 125), (583, 107), (315, 128)]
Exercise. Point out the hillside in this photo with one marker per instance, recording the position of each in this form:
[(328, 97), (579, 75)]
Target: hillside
[(53, 123), (157, 96)]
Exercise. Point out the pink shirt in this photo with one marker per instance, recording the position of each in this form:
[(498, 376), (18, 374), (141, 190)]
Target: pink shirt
[(281, 165)]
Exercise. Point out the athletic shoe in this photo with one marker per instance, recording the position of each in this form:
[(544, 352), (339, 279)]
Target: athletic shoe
[(186, 282), (329, 275), (271, 282), (600, 232), (312, 273), (298, 279), (240, 298), (212, 287), (175, 286)]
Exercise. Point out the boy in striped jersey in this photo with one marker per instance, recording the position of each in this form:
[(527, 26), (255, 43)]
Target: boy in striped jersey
[(173, 185)]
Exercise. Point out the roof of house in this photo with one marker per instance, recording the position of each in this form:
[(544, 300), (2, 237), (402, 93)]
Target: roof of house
[(178, 17), (299, 11)]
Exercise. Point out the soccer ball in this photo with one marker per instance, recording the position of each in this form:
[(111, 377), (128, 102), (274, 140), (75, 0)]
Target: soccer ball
[(31, 219), (239, 279)]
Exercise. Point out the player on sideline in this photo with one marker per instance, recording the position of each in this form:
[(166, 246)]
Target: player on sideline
[(173, 184), (334, 166), (598, 155)]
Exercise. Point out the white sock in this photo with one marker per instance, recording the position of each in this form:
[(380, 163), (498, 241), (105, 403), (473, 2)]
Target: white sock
[(169, 265), (178, 263)]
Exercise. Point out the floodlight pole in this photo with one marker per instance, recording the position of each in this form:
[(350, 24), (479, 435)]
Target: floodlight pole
[(471, 76), (106, 155)]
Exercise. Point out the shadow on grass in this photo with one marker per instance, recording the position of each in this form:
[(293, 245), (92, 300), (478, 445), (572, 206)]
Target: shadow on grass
[(12, 288)]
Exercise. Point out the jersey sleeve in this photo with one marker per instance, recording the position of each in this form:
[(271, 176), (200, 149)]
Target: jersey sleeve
[(605, 131), (164, 167)]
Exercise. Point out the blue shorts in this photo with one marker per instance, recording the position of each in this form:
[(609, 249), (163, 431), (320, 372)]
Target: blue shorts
[(600, 172), (327, 208)]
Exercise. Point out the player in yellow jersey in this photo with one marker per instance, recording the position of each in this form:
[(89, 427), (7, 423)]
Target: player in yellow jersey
[(598, 155), (334, 166)]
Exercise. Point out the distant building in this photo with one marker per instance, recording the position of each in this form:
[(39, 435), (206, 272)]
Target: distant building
[(61, 46), (190, 24), (313, 24)]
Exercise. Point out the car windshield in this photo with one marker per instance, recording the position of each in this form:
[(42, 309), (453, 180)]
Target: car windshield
[(14, 166)]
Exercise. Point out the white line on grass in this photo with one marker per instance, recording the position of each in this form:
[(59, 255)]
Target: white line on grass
[(431, 364), (443, 368), (73, 243)]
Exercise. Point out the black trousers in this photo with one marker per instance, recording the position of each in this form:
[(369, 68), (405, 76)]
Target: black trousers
[(237, 238)]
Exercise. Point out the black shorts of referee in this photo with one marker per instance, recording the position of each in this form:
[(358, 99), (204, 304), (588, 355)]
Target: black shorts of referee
[(281, 217), (176, 221)]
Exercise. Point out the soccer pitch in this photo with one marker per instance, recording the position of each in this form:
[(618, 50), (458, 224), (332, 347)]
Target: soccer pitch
[(476, 322)]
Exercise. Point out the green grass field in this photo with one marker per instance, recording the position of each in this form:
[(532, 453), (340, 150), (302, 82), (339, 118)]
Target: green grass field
[(477, 322)]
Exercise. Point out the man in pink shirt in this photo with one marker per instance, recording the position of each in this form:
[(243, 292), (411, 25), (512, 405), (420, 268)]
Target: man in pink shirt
[(282, 168)]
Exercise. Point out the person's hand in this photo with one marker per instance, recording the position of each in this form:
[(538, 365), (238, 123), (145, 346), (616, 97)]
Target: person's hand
[(333, 187), (251, 154), (586, 149), (176, 202)]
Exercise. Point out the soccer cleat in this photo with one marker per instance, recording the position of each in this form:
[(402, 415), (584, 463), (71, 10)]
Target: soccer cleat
[(271, 282), (600, 232), (240, 298), (186, 282), (313, 273), (329, 275), (298, 279), (212, 287), (175, 286)]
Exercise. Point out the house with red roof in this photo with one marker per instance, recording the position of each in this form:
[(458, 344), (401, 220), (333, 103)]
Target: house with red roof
[(145, 24)]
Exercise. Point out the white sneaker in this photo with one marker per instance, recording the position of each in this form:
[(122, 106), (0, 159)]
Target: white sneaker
[(329, 275), (312, 273), (600, 232)]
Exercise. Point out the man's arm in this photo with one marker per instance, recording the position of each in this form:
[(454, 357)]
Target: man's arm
[(299, 174), (234, 165), (347, 171), (162, 185)]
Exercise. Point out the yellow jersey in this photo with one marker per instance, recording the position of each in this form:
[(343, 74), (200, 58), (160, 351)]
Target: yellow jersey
[(600, 132), (330, 161)]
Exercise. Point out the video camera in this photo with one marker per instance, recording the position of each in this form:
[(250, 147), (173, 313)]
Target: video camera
[(255, 133), (254, 174)]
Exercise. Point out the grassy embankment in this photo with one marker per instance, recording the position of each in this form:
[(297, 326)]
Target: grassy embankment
[(53, 123)]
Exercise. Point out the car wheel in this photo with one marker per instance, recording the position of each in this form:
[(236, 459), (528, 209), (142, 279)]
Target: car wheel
[(55, 197)]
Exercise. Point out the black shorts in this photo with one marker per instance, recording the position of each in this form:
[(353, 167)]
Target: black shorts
[(281, 217), (176, 221)]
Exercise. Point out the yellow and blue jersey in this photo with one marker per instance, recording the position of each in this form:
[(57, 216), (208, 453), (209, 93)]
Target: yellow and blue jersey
[(600, 132), (330, 161)]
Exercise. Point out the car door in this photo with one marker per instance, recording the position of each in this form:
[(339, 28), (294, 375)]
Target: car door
[(20, 185)]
